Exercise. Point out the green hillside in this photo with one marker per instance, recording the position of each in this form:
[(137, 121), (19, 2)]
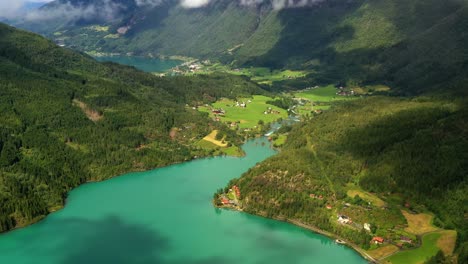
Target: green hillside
[(401, 150), (66, 119)]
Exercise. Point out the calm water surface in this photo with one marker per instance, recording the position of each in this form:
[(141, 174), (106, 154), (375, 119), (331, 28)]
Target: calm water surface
[(142, 63), (166, 216)]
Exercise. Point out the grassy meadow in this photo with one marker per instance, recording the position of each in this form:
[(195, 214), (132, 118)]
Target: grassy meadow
[(249, 116)]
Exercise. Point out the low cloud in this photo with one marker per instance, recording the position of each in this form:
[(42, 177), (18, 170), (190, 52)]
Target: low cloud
[(276, 4), (194, 3), (112, 9), (99, 10), (14, 8)]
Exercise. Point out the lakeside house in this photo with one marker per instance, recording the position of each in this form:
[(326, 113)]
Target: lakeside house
[(243, 104), (405, 239), (218, 111), (378, 240), (224, 201), (343, 219), (237, 191), (367, 227)]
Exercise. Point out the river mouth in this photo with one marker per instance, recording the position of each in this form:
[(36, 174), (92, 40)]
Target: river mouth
[(166, 216)]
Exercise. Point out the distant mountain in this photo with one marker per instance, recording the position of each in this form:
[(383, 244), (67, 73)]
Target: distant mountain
[(28, 6), (414, 45)]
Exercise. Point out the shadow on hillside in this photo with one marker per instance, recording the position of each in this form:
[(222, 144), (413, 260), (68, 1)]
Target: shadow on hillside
[(420, 150), (415, 63)]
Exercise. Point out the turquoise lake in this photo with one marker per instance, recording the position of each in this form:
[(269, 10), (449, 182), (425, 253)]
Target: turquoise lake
[(142, 63), (166, 216)]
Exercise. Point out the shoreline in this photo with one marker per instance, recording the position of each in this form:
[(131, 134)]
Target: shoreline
[(314, 229), (332, 236), (59, 207)]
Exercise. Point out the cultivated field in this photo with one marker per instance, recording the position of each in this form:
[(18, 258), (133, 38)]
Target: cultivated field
[(249, 116), (376, 201), (419, 223), (420, 255)]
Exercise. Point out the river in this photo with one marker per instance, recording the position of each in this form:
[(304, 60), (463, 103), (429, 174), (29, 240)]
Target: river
[(166, 216)]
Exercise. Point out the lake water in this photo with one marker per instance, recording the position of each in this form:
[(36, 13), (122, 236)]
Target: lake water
[(166, 216), (143, 63)]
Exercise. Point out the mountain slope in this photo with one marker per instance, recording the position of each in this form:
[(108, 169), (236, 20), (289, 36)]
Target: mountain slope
[(402, 153), (66, 119), (361, 41)]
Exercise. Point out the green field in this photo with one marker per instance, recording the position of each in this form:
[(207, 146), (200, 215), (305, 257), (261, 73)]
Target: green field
[(420, 255), (247, 117), (321, 94), (319, 98), (217, 150), (280, 140), (261, 75)]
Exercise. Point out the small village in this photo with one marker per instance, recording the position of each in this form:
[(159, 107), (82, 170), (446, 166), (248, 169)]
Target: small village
[(388, 234), (230, 199)]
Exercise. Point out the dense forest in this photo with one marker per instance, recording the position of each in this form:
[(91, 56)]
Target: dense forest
[(405, 150), (66, 119)]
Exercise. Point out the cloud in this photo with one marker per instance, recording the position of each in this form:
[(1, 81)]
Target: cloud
[(194, 3), (9, 9), (276, 4), (15, 8), (112, 9), (100, 9)]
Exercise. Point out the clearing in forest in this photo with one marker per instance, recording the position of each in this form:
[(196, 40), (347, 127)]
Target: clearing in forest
[(212, 138), (92, 115), (419, 223), (376, 201), (447, 241)]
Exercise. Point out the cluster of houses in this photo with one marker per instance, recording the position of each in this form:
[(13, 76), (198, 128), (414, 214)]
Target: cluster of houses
[(271, 111), (243, 104), (344, 220), (342, 92), (226, 201), (186, 68), (236, 191), (218, 111), (316, 196), (194, 67), (403, 240), (234, 202)]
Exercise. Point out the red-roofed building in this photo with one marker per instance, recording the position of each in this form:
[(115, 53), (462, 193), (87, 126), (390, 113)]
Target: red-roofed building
[(225, 201), (236, 189), (377, 240)]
